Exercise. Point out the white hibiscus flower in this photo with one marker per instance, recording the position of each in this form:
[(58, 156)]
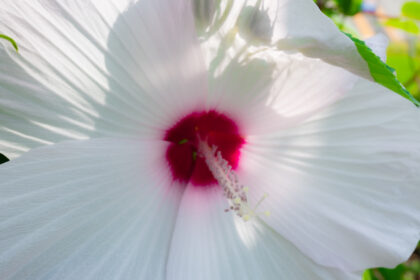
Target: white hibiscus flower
[(149, 135)]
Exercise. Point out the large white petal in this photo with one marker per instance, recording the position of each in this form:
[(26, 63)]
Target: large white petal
[(273, 90), (92, 209), (289, 25), (94, 68), (264, 87), (344, 186), (211, 244)]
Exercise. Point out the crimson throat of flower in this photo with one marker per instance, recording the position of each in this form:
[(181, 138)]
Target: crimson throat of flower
[(205, 151)]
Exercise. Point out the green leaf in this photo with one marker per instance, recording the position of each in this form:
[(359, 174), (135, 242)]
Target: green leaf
[(10, 40), (396, 273), (409, 25), (3, 159), (380, 71), (368, 275), (411, 10), (349, 7)]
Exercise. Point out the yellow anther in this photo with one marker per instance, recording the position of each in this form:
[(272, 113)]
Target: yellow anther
[(237, 200), (267, 213), (246, 218)]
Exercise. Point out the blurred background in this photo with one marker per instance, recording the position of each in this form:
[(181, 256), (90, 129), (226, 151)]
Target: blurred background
[(399, 22)]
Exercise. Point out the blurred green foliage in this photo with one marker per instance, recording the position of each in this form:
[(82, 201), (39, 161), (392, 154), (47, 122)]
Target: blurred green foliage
[(402, 55), (411, 10), (340, 7), (407, 25), (348, 7), (405, 58)]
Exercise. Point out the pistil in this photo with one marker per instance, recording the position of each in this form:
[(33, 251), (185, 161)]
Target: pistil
[(227, 179)]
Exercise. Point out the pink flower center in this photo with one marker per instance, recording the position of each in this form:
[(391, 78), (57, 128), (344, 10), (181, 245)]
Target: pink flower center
[(182, 155)]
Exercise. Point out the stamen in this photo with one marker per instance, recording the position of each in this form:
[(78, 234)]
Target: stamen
[(228, 180)]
